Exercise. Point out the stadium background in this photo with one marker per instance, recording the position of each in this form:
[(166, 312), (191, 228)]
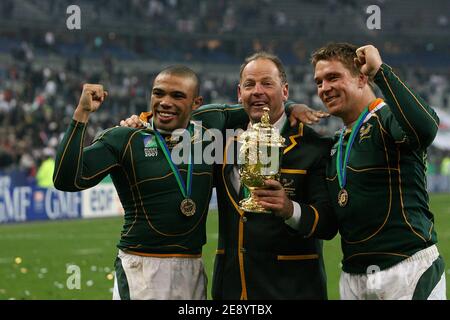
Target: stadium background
[(123, 44)]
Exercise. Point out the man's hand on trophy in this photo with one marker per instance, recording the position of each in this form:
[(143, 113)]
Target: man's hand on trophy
[(274, 198), (132, 122), (302, 113)]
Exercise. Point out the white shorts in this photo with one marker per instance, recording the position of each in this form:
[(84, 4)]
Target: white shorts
[(404, 281), (155, 278)]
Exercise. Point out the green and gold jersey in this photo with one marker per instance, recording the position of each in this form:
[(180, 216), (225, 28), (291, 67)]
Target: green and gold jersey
[(386, 218), (147, 188)]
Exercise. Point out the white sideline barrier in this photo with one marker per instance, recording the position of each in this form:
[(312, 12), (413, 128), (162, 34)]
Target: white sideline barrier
[(24, 203), (101, 201)]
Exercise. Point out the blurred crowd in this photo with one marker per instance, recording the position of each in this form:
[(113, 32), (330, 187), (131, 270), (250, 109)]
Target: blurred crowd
[(223, 31), (36, 103), (227, 16), (37, 98)]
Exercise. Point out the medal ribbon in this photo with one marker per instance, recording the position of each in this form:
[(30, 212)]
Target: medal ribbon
[(341, 166), (185, 191)]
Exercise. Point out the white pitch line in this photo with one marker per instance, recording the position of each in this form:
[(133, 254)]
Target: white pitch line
[(87, 251)]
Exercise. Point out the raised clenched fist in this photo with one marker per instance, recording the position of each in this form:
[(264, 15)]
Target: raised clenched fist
[(92, 97), (368, 60)]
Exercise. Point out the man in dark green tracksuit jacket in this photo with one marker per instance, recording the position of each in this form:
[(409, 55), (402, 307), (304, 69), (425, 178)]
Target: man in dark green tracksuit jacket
[(376, 178), (262, 256)]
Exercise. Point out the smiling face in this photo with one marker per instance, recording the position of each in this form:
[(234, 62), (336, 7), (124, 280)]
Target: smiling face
[(173, 98), (340, 91), (260, 86)]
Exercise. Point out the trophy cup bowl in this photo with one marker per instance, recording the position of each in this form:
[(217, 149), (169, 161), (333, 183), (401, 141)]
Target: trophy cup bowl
[(259, 157)]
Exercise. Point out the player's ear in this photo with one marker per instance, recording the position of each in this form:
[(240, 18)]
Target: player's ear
[(239, 93), (363, 80), (285, 92), (198, 101)]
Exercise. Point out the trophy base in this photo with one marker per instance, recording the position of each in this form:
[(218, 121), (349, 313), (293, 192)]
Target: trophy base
[(250, 205)]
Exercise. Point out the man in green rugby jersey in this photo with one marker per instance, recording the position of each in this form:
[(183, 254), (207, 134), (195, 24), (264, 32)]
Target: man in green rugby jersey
[(376, 177), (164, 225)]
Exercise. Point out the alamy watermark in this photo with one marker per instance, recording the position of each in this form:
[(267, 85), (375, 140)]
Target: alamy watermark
[(374, 20), (73, 21), (207, 147), (73, 281), (373, 277)]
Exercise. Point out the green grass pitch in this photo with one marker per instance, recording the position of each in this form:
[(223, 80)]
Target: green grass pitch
[(34, 256)]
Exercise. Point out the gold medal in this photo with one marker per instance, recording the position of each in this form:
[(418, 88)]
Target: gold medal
[(342, 197), (188, 207)]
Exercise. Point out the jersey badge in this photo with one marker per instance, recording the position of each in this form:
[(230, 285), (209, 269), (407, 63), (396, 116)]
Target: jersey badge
[(365, 132), (150, 145)]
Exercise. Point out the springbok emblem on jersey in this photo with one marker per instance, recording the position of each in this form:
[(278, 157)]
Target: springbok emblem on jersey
[(364, 132)]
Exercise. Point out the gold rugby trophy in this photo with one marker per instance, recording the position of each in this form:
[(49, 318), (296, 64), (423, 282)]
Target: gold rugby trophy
[(259, 158)]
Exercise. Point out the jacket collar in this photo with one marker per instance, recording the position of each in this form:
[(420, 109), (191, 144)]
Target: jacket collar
[(292, 135)]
